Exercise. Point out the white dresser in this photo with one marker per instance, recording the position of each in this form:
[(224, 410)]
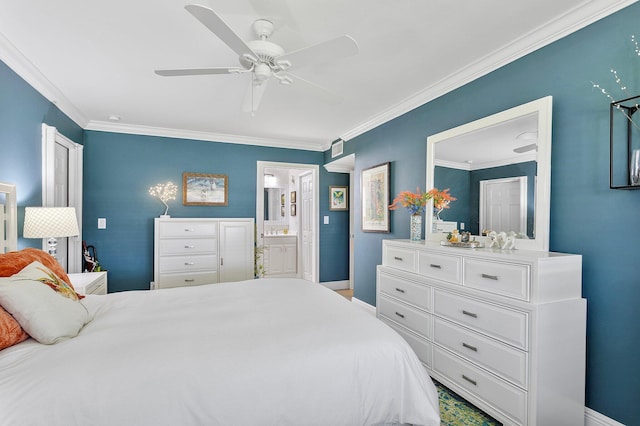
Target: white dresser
[(503, 329), (202, 251)]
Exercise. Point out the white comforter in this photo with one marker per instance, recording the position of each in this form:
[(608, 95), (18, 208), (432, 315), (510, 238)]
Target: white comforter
[(260, 352)]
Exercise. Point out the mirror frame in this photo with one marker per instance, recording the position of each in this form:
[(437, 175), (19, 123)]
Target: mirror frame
[(543, 107)]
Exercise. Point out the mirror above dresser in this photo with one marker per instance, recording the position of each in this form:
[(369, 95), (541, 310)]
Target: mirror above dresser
[(509, 151)]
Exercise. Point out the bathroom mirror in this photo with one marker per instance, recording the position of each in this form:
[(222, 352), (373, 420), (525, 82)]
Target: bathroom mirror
[(273, 205), (510, 151)]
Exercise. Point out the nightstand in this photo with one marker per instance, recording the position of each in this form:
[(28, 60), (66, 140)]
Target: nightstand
[(89, 282)]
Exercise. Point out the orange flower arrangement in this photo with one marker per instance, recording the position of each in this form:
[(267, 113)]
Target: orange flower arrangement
[(415, 202)]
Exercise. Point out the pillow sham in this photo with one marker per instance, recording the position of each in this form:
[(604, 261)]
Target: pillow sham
[(13, 262), (46, 309), (10, 331)]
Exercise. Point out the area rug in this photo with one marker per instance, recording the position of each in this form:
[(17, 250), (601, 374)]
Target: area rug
[(455, 411)]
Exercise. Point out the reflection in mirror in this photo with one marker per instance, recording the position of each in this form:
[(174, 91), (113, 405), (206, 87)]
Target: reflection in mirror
[(498, 168), (272, 205)]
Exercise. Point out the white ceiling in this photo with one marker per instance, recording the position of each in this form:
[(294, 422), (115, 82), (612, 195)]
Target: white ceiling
[(96, 59)]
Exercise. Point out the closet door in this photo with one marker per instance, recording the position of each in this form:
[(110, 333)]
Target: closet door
[(236, 250)]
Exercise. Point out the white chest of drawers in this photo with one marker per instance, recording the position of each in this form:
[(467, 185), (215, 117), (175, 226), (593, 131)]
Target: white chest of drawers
[(202, 251), (504, 329)]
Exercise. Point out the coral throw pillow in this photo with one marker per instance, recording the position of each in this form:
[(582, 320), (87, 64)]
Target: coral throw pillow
[(10, 331), (13, 262)]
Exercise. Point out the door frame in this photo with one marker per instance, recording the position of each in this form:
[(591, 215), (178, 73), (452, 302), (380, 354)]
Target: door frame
[(315, 173), (51, 136)]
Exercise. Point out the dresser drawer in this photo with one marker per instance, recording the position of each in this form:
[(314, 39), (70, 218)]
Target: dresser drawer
[(400, 258), (506, 279), (187, 246), (183, 280), (501, 359), (188, 263), (502, 323), (440, 266), (412, 318), (407, 291), (188, 229), (420, 346), (507, 398)]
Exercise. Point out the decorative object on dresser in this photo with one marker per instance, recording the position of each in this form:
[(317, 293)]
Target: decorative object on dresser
[(165, 192), (416, 202), (503, 329), (200, 189), (51, 223), (90, 282), (338, 198), (195, 251), (375, 197)]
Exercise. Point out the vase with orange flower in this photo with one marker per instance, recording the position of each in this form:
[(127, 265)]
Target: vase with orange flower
[(415, 202), (441, 201)]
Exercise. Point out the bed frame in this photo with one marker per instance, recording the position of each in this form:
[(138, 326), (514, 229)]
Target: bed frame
[(8, 218)]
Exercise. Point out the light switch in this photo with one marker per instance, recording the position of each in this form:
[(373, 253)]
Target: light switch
[(326, 220), (461, 225), (102, 223)]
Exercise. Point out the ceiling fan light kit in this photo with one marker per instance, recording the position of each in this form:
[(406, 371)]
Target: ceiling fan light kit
[(265, 59)]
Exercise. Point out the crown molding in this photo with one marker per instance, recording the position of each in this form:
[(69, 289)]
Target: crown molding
[(579, 17), (15, 60), (107, 126)]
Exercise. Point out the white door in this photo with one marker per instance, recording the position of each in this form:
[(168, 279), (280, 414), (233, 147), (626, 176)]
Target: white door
[(306, 219), (236, 251), (503, 204), (62, 167)]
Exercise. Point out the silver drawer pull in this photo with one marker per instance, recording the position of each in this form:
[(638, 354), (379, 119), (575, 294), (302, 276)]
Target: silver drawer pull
[(188, 230), (188, 247), (398, 258), (470, 314), (490, 277), (189, 263), (473, 382), (399, 314), (468, 346), (433, 265), (189, 280), (399, 290)]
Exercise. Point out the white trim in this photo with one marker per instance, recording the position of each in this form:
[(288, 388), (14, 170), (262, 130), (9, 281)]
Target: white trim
[(593, 418), (572, 21), (345, 164), (370, 309), (336, 285), (308, 145)]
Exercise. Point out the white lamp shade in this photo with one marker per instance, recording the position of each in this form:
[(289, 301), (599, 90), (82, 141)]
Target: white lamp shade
[(47, 222)]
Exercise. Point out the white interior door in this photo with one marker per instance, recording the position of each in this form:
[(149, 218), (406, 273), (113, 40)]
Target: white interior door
[(503, 204), (61, 187), (306, 212)]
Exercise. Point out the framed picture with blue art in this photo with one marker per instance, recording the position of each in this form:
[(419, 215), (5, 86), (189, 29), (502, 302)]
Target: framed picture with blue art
[(200, 189), (338, 198), (375, 198)]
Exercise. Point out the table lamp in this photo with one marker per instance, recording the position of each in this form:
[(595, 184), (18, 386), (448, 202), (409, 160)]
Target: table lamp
[(51, 223)]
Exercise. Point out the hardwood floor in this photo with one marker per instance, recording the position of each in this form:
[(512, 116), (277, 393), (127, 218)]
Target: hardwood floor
[(346, 293)]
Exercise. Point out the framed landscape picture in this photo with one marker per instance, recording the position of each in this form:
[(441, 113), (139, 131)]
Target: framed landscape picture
[(338, 198), (375, 198), (200, 189)]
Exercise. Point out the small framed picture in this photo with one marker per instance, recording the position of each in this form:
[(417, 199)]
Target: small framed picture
[(338, 198), (282, 201), (293, 197), (293, 209), (200, 189)]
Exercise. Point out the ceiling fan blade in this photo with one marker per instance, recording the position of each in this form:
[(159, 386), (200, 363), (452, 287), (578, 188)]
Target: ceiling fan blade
[(216, 25), (314, 89), (526, 148), (253, 96), (199, 71), (339, 47)]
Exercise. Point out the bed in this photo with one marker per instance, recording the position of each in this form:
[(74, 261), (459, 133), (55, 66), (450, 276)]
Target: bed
[(260, 352)]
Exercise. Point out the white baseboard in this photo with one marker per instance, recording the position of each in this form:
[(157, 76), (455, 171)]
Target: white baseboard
[(593, 418), (367, 307), (336, 285)]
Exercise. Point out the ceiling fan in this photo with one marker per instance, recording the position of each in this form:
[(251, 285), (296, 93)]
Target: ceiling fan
[(264, 59)]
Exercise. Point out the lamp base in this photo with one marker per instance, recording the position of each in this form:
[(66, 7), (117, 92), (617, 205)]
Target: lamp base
[(53, 243)]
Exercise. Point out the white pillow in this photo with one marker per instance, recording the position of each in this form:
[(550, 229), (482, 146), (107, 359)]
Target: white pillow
[(44, 313)]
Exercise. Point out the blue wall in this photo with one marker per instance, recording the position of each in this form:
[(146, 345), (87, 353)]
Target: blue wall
[(586, 216), (120, 168)]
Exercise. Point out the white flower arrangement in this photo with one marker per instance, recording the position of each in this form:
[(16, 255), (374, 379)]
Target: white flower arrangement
[(164, 192)]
